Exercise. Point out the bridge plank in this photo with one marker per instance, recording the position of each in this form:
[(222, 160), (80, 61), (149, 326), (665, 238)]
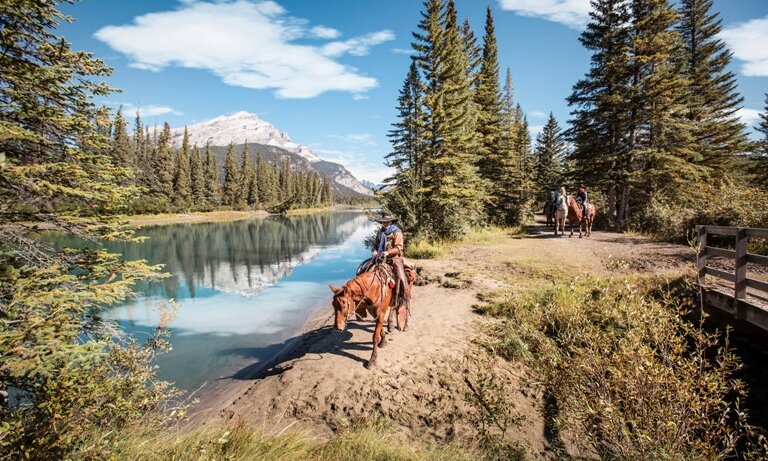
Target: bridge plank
[(722, 274), (714, 251), (720, 230), (757, 259), (757, 232), (758, 285)]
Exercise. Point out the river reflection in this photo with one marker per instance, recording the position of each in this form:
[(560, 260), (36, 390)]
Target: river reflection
[(244, 286)]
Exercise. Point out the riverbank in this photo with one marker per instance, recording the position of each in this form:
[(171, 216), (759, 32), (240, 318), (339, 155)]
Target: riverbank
[(219, 216), (423, 384)]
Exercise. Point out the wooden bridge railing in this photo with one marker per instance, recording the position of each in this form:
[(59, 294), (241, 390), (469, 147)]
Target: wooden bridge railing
[(740, 255)]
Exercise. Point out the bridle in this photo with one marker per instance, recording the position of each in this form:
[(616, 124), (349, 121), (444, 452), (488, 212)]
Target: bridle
[(348, 313)]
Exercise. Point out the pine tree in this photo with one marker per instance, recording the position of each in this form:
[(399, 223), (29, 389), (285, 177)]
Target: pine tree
[(488, 99), (455, 192), (140, 156), (121, 144), (473, 51), (212, 183), (163, 167), (232, 192), (59, 363), (182, 181), (759, 160), (286, 186), (507, 197), (601, 117), (326, 193), (550, 151), (661, 137), (247, 177), (711, 97), (197, 176), (526, 162), (404, 196)]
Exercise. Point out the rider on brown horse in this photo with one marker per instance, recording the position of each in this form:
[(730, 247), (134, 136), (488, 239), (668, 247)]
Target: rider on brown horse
[(388, 246), (582, 197)]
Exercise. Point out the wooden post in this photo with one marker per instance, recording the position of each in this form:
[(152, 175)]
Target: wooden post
[(741, 263), (701, 254)]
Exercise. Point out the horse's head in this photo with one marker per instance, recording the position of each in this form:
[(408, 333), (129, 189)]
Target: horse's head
[(343, 305)]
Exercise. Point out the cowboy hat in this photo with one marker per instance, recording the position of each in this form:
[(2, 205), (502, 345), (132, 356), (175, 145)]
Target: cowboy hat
[(385, 217)]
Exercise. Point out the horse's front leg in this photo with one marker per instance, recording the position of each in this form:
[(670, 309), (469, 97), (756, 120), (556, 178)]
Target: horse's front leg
[(376, 339), (390, 319)]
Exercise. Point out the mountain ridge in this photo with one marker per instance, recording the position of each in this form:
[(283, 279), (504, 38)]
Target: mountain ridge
[(245, 128)]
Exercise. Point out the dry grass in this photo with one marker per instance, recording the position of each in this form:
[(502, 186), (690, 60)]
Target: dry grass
[(240, 442)]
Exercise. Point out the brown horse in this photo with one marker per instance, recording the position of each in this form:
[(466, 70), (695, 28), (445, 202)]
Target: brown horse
[(575, 216), (370, 293)]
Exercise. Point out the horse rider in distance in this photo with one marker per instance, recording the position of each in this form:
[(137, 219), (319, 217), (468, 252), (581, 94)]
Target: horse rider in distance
[(582, 197), (388, 246)]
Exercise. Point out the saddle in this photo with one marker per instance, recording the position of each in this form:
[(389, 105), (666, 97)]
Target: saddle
[(387, 276)]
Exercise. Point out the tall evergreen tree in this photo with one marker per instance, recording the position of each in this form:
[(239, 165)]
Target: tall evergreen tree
[(601, 115), (473, 51), (550, 151), (121, 143), (163, 166), (231, 195), (286, 181), (711, 98), (455, 192), (247, 177), (526, 162), (326, 193), (661, 138), (488, 99), (212, 182), (182, 180), (759, 160), (140, 156), (197, 176), (405, 196), (507, 198), (56, 170)]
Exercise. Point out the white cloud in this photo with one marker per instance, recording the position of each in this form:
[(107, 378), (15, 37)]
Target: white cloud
[(150, 110), (749, 43), (246, 43), (324, 32), (572, 13), (358, 46), (749, 117), (534, 130), (538, 114), (362, 166), (358, 139)]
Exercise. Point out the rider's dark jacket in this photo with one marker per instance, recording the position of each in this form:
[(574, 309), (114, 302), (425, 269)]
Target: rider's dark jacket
[(583, 196)]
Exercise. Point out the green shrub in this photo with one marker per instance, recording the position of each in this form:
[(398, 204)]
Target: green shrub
[(722, 204), (632, 378)]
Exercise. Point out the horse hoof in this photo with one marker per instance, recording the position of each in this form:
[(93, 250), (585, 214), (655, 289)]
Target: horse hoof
[(369, 365)]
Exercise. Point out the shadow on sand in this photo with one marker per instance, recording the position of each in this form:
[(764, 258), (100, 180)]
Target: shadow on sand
[(324, 340)]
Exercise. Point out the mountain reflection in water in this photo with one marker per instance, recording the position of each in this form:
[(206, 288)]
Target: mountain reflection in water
[(244, 286)]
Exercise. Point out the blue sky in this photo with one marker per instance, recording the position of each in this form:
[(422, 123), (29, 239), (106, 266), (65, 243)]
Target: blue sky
[(328, 72)]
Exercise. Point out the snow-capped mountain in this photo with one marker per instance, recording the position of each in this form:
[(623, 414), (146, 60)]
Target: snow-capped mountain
[(247, 128)]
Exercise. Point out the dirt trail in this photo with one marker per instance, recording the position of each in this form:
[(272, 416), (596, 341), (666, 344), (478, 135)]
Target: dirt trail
[(320, 385)]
